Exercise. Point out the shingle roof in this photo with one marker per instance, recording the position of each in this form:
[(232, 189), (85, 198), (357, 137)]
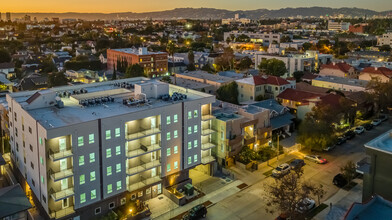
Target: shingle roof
[(297, 95), (271, 80), (380, 70), (13, 200), (344, 67)]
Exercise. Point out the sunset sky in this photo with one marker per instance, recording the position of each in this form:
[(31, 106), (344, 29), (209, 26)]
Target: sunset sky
[(107, 6)]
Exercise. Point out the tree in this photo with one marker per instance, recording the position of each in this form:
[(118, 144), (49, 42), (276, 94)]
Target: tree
[(226, 60), (114, 76), (191, 58), (298, 75), (134, 70), (5, 57), (380, 94), (307, 46), (349, 171), (57, 79), (166, 79), (285, 39), (273, 67), (244, 63), (171, 47), (228, 93), (385, 48)]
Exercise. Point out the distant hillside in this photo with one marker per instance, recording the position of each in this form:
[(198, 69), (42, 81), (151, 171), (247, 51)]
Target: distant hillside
[(211, 13)]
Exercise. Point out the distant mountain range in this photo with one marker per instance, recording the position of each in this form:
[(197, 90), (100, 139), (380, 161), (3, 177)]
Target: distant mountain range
[(212, 13)]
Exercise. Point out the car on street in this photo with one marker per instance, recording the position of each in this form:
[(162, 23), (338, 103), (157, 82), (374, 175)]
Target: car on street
[(339, 180), (368, 126), (349, 135), (341, 140), (383, 117), (305, 205), (316, 159), (376, 122), (281, 170), (197, 212), (329, 148), (359, 130), (297, 163)]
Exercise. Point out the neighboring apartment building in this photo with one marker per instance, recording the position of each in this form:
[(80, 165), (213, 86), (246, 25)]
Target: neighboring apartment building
[(377, 178), (340, 83), (86, 149), (293, 62), (381, 73), (203, 77), (338, 70), (338, 26), (385, 39), (154, 63), (266, 38), (256, 88)]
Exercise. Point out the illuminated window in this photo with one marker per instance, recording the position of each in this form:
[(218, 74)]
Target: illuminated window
[(118, 150), (195, 158), (175, 134), (189, 145), (83, 198), (168, 120), (175, 118), (93, 194), (175, 149), (168, 136), (168, 168), (82, 179), (80, 141), (92, 157), (92, 175), (168, 151), (118, 167), (195, 129), (108, 135), (195, 114), (117, 132), (190, 115), (118, 185), (195, 143), (190, 130), (175, 165), (91, 138), (109, 188), (108, 153), (108, 170), (81, 160), (189, 160)]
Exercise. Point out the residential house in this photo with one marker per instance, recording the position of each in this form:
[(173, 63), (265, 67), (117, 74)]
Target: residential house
[(338, 70), (340, 83), (381, 73), (14, 203), (206, 78), (8, 69)]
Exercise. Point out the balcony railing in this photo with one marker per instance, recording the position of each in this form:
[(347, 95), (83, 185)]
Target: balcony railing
[(207, 146), (207, 159), (63, 212), (57, 196), (144, 133), (143, 182), (143, 167), (207, 131), (60, 154), (56, 176), (207, 117), (143, 150), (249, 140)]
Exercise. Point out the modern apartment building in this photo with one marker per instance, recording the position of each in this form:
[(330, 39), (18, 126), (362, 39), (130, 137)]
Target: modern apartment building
[(154, 63), (293, 62), (266, 38), (385, 39), (86, 149), (338, 26)]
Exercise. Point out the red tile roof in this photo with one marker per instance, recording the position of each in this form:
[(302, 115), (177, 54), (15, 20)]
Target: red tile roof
[(344, 67), (271, 80), (309, 76), (380, 70), (297, 95)]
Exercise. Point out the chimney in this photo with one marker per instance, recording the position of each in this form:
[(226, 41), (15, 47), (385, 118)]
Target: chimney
[(375, 68), (333, 63)]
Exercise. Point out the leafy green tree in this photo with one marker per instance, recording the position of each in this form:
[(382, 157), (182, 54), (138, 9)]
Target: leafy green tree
[(114, 76), (385, 48), (191, 58), (244, 63), (381, 94), (57, 79), (134, 70), (285, 39), (349, 171), (273, 67), (228, 93), (298, 75), (5, 57), (166, 79), (226, 60), (171, 48)]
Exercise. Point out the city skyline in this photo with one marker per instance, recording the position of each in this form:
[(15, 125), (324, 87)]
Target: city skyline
[(46, 6)]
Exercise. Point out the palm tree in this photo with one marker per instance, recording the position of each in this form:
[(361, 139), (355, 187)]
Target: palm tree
[(171, 47)]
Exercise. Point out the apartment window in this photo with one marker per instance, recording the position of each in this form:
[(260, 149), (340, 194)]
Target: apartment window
[(195, 158), (168, 121), (175, 118), (195, 114), (175, 134), (98, 210), (189, 160), (92, 157), (42, 180), (81, 160), (108, 135), (168, 151), (195, 129), (108, 170), (16, 118), (190, 130), (32, 165), (117, 132), (190, 115), (30, 131), (118, 185), (31, 148), (118, 167), (175, 165), (91, 138), (175, 149), (109, 188), (16, 132), (168, 136), (82, 179), (195, 143), (93, 194), (83, 198), (168, 168), (108, 153), (118, 150), (92, 175), (41, 160), (189, 145), (33, 182), (80, 141)]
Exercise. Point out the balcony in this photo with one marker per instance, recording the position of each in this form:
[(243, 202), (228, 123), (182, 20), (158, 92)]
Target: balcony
[(63, 212), (235, 140), (143, 167), (57, 196), (142, 134), (54, 156), (143, 150), (207, 117), (207, 131), (207, 146), (143, 183), (56, 176), (208, 159), (249, 140)]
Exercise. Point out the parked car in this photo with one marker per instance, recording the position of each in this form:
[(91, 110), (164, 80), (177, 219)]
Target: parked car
[(359, 130), (197, 212), (341, 140), (283, 216), (305, 205), (376, 122), (339, 180), (316, 159), (281, 170), (349, 135), (297, 163), (329, 148), (368, 126), (383, 117)]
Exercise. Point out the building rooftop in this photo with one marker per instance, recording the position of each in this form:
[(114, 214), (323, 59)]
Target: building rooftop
[(341, 80), (13, 200), (80, 102), (140, 51), (382, 143), (208, 76), (376, 208)]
